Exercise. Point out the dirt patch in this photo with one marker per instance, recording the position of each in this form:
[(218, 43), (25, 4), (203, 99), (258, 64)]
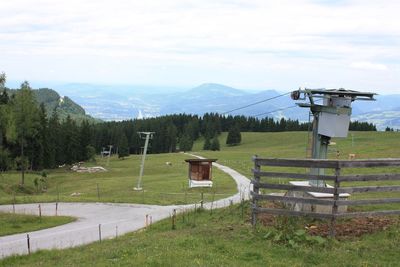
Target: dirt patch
[(345, 229), (355, 227), (78, 168)]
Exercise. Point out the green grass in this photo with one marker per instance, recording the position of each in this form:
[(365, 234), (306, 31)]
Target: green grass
[(293, 145), (222, 238), (19, 223), (163, 184)]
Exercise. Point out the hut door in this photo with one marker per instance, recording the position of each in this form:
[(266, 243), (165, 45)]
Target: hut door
[(205, 171)]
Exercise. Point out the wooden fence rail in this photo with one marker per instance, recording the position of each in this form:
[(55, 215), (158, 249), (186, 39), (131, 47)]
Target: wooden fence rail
[(335, 199)]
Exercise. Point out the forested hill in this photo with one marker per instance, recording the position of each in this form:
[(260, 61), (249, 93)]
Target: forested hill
[(62, 104)]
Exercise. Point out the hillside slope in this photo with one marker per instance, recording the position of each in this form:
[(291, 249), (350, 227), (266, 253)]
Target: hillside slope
[(62, 104)]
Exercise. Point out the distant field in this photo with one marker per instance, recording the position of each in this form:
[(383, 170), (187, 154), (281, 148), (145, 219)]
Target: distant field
[(19, 223), (163, 184)]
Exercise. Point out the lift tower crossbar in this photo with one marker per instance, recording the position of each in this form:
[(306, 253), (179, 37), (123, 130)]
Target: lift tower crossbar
[(331, 119)]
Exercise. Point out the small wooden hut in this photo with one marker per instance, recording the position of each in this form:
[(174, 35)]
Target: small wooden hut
[(200, 172)]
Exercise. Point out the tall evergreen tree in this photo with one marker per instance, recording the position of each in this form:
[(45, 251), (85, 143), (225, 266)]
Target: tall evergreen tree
[(85, 139), (39, 143), (25, 121), (234, 136), (215, 144), (171, 138), (71, 143), (54, 149), (207, 143), (185, 143), (123, 146)]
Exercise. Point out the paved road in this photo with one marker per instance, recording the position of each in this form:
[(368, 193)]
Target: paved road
[(114, 219)]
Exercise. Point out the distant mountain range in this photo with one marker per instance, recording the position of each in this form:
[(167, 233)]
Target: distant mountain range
[(129, 102)]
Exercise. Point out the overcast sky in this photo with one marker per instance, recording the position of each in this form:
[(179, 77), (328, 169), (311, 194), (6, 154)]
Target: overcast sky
[(254, 44)]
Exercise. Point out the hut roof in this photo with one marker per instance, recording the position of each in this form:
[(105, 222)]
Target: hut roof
[(200, 160)]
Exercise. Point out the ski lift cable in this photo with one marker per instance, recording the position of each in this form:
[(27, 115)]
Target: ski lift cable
[(269, 112), (256, 103), (279, 109)]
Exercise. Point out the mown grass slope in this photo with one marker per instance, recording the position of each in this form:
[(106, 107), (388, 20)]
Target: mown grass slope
[(163, 184), (222, 238), (20, 223)]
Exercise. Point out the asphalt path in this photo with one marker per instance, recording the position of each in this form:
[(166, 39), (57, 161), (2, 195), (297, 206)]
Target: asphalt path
[(111, 219)]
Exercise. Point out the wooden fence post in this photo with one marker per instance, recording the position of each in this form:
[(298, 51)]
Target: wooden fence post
[(174, 219), (14, 202), (100, 232), (256, 191), (28, 240), (212, 203), (98, 191), (58, 194), (40, 212), (332, 229), (242, 207), (194, 215)]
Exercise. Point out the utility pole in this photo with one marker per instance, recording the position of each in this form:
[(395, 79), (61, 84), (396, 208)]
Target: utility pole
[(147, 136)]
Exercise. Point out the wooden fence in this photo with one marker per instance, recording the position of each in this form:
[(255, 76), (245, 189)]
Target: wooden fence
[(335, 201)]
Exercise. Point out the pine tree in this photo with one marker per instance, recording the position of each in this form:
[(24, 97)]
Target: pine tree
[(123, 147), (215, 144), (207, 143), (234, 136), (186, 143), (40, 141), (71, 145), (55, 142), (85, 139), (25, 121), (171, 138)]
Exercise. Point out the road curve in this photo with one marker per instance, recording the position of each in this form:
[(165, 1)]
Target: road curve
[(114, 219)]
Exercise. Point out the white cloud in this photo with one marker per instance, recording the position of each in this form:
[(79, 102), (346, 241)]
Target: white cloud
[(249, 43), (365, 65)]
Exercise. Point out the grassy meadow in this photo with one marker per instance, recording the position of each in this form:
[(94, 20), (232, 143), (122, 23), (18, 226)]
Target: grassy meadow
[(294, 145), (163, 184), (364, 145), (22, 223), (225, 236), (222, 238)]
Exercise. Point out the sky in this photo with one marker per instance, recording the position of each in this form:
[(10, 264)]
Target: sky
[(247, 44)]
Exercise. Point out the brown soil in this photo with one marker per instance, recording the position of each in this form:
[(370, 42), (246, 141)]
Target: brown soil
[(345, 229), (355, 227)]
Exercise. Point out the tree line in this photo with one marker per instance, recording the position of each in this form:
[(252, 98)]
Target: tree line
[(32, 139)]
